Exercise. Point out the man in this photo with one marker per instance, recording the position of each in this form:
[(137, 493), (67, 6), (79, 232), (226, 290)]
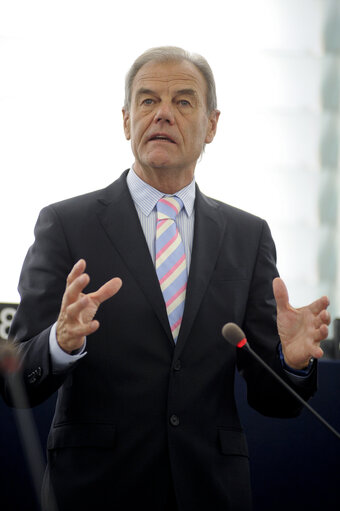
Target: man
[(146, 417)]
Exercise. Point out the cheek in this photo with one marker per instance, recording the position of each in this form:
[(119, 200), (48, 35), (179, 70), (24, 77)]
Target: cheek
[(135, 134), (197, 128), (198, 136), (140, 126)]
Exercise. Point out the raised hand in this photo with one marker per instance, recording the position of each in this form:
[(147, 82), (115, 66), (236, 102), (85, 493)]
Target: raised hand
[(300, 330), (77, 311)]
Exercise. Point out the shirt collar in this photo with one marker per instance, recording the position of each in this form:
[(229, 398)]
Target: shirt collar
[(146, 197)]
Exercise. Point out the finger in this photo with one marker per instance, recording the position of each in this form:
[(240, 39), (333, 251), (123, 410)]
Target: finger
[(319, 305), (324, 318), (321, 333), (107, 290), (73, 291), (82, 330), (280, 294), (316, 352), (71, 338), (77, 270), (74, 310)]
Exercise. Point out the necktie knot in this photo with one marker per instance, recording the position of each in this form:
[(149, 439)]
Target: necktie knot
[(169, 207)]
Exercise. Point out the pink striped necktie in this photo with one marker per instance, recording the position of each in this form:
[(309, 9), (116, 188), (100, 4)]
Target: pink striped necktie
[(170, 261)]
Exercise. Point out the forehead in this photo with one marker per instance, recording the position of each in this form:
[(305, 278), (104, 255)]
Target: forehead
[(169, 75)]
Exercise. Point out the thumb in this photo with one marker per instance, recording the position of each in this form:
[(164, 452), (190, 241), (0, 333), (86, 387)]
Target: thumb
[(280, 294), (107, 290)]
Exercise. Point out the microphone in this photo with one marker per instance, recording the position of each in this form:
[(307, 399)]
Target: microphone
[(235, 336), (9, 359)]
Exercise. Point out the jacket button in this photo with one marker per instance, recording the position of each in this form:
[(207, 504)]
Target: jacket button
[(174, 420), (177, 365), (35, 375)]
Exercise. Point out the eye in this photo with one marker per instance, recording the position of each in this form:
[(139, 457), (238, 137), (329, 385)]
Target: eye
[(184, 102), (147, 101)]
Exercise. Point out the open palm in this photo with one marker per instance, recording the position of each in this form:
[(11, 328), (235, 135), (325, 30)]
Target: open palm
[(302, 329)]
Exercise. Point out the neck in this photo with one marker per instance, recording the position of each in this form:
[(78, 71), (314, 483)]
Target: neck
[(168, 181)]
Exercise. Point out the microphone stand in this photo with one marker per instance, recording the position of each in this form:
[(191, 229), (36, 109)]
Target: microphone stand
[(10, 367), (291, 390), (235, 336)]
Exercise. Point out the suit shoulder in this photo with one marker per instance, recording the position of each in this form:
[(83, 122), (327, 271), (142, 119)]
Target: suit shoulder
[(85, 202), (233, 213), (77, 200)]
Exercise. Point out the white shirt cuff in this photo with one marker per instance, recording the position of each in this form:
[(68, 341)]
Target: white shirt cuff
[(60, 359)]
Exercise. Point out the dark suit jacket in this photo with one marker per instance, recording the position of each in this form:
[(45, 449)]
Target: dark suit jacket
[(139, 410)]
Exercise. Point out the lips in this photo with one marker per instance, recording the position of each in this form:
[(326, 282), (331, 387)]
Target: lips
[(163, 137)]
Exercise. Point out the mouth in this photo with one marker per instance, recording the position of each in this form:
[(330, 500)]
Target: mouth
[(160, 137)]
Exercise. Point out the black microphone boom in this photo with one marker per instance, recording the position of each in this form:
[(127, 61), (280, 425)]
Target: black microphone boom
[(233, 334)]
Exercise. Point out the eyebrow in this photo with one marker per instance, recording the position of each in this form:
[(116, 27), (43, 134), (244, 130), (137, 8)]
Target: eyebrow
[(187, 92), (142, 91)]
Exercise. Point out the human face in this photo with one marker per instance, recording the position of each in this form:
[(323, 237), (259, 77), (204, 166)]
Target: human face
[(168, 123)]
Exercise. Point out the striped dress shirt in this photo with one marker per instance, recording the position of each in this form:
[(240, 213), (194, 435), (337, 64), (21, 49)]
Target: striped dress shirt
[(145, 198)]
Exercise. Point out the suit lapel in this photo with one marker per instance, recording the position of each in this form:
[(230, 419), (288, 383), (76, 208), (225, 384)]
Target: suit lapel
[(119, 218), (208, 234)]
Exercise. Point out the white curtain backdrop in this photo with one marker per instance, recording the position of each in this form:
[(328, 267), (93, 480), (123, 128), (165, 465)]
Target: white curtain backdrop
[(276, 64)]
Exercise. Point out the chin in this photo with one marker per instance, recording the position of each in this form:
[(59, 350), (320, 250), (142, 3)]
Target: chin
[(160, 161), (159, 164)]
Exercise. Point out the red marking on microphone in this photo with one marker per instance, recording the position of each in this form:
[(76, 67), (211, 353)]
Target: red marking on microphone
[(241, 343), (9, 364)]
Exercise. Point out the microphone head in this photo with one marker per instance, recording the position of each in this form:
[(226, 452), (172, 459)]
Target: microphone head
[(233, 334), (9, 356)]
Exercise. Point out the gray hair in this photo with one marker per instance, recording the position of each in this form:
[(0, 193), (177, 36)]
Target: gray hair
[(172, 53)]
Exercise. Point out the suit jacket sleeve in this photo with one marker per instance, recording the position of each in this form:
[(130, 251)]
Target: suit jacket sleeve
[(41, 286), (264, 393)]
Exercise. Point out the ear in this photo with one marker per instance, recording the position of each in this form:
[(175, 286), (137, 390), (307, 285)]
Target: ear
[(126, 123), (212, 126)]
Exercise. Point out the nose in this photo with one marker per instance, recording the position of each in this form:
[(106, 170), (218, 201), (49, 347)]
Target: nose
[(164, 113)]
